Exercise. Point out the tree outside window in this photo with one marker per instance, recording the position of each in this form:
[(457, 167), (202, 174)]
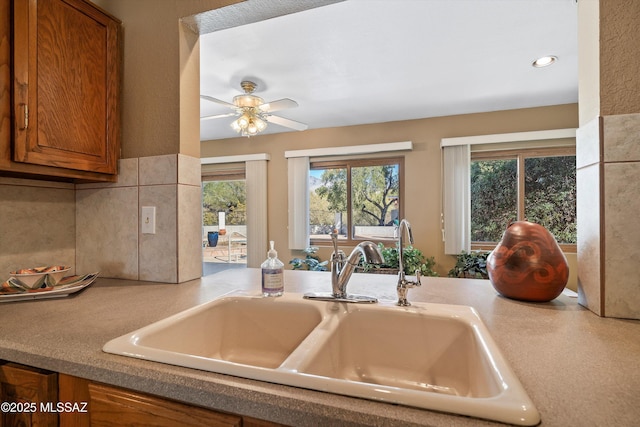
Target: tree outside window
[(550, 195), (494, 198), (224, 196), (537, 186), (361, 199)]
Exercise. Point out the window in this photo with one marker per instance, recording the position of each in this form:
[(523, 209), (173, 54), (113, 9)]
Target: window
[(362, 199), (224, 201), (224, 193), (253, 167), (537, 185), (500, 152)]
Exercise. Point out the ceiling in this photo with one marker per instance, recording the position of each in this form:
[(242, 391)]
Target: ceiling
[(370, 61)]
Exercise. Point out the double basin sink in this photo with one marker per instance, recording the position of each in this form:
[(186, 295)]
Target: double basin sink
[(432, 356)]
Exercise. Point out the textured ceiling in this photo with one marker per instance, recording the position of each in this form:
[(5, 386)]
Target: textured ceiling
[(369, 61)]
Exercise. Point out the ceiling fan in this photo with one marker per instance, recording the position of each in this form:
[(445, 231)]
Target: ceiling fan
[(253, 113)]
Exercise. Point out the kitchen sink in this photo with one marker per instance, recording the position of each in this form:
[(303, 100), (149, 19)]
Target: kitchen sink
[(431, 356), (249, 331), (408, 350)]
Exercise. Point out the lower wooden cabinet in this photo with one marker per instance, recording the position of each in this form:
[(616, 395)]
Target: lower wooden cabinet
[(23, 392), (34, 397), (110, 406)]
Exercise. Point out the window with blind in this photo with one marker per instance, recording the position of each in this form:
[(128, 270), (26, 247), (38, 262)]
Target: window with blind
[(491, 180), (537, 185), (362, 199)]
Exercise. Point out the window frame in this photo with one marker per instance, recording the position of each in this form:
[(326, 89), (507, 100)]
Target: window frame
[(224, 175), (349, 163), (520, 155)]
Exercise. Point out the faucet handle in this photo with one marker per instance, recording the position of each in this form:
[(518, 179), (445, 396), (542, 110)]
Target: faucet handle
[(403, 288), (411, 283), (418, 277), (334, 240), (338, 255)]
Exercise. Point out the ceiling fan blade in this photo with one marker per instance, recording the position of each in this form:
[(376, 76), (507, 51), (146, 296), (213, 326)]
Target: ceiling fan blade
[(217, 116), (287, 123), (218, 101), (280, 104)]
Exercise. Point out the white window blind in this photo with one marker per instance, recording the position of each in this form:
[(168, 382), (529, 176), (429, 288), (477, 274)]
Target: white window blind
[(256, 178), (298, 185), (456, 177), (456, 199)]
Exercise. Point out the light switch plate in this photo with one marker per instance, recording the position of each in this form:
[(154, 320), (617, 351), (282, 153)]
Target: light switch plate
[(148, 220)]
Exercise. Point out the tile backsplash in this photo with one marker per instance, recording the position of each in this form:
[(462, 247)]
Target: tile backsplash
[(608, 170), (96, 227), (37, 224), (108, 221)]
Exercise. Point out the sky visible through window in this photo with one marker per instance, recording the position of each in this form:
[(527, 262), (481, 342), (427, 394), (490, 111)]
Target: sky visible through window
[(317, 173)]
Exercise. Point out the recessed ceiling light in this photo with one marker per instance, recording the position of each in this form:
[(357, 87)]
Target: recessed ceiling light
[(544, 61)]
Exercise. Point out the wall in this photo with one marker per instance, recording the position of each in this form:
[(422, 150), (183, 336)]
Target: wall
[(608, 157), (161, 67), (422, 165), (160, 151), (37, 225), (96, 227), (619, 57), (109, 237), (160, 117)]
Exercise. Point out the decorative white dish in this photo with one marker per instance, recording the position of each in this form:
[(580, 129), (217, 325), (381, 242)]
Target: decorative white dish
[(40, 277), (12, 291)]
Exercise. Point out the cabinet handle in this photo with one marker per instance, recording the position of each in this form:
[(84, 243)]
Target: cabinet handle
[(25, 116)]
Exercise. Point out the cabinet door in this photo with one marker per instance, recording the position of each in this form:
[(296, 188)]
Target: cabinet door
[(66, 85), (27, 387), (112, 407)]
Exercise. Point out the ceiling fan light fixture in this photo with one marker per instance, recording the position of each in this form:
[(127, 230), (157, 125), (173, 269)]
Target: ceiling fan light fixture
[(253, 115), (260, 124), (235, 126), (247, 101), (243, 121), (250, 123)]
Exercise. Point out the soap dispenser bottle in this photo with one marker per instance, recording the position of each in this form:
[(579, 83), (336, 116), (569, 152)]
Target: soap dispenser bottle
[(272, 274)]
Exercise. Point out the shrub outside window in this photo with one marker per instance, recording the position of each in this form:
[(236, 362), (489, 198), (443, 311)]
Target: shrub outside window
[(533, 185)]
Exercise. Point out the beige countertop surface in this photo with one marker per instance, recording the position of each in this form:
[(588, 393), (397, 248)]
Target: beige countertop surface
[(579, 369)]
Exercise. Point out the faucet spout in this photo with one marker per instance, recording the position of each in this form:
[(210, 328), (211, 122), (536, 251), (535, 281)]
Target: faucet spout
[(342, 267), (403, 284), (341, 272), (403, 229)]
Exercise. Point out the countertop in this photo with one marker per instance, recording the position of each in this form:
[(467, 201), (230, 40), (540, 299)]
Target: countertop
[(579, 369)]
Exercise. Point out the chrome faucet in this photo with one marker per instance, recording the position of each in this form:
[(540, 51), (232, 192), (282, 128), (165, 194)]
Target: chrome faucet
[(403, 284), (342, 267)]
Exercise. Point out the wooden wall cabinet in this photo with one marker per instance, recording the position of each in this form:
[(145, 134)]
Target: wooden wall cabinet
[(22, 390), (60, 73)]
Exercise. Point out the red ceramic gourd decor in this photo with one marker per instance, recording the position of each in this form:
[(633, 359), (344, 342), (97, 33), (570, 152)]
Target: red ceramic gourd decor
[(528, 264)]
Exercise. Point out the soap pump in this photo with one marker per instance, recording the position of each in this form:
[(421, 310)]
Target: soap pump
[(272, 274)]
